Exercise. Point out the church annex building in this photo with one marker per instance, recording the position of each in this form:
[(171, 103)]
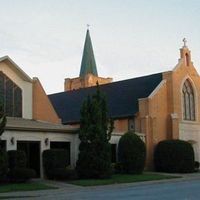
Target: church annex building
[(157, 107)]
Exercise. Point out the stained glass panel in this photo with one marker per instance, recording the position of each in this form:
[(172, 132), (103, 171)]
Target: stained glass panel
[(11, 96), (188, 101)]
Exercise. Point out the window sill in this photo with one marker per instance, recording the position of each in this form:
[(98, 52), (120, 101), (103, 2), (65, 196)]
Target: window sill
[(189, 122)]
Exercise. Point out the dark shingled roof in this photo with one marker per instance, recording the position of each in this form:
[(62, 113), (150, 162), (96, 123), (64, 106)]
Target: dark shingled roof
[(122, 98)]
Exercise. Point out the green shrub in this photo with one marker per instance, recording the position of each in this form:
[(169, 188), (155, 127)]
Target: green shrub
[(54, 159), (64, 174), (94, 159), (21, 174), (196, 166), (117, 168), (16, 159), (3, 165), (175, 156), (131, 153)]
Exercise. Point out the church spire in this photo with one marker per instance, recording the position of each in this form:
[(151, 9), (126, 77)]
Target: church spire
[(88, 64)]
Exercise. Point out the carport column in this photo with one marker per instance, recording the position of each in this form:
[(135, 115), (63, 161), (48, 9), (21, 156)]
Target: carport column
[(43, 146), (11, 143), (74, 149)]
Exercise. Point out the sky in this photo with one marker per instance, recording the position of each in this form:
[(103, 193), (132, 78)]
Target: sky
[(130, 37)]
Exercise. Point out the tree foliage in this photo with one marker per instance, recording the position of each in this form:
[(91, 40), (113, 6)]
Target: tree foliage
[(3, 165), (95, 132), (174, 156), (2, 120), (131, 153)]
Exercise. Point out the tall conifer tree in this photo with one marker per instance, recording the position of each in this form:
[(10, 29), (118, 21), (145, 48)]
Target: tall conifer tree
[(95, 131), (2, 120)]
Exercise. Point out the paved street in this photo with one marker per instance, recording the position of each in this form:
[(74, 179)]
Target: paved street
[(181, 189)]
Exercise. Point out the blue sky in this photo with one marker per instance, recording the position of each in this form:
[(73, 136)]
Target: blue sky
[(130, 37)]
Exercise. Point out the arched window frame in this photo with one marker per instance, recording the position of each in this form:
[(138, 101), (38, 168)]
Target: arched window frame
[(189, 101)]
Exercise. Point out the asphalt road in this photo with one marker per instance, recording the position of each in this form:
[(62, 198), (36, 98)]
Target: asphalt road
[(183, 190), (188, 190)]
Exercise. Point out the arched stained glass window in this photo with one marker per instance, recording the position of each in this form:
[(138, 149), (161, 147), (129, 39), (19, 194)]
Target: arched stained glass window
[(188, 101), (10, 97)]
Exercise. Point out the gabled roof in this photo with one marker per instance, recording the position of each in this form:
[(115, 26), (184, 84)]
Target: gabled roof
[(88, 64), (122, 98), (15, 68)]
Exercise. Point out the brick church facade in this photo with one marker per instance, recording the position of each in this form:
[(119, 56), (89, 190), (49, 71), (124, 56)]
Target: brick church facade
[(157, 107)]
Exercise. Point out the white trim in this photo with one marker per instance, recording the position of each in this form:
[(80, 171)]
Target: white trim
[(180, 62), (157, 89), (16, 68)]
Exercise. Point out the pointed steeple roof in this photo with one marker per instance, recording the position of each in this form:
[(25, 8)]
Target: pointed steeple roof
[(88, 64)]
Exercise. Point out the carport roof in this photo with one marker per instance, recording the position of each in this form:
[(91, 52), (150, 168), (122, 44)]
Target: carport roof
[(33, 125)]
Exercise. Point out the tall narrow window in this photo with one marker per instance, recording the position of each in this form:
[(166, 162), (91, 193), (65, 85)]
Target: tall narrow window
[(131, 124), (187, 59), (188, 101), (10, 97)]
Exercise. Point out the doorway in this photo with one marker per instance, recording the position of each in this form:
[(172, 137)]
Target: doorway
[(61, 145), (32, 150)]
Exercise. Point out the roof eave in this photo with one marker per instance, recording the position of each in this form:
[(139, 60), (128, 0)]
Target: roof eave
[(71, 130), (16, 68)]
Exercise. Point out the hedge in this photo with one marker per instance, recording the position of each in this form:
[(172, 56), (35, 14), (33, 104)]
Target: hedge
[(64, 174), (3, 165), (21, 174), (131, 153), (16, 159), (54, 159), (175, 156), (17, 163)]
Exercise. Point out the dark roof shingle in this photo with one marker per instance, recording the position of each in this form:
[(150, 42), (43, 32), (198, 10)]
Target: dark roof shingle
[(122, 97)]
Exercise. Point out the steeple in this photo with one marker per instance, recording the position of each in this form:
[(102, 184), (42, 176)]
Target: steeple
[(88, 64), (185, 53), (88, 76)]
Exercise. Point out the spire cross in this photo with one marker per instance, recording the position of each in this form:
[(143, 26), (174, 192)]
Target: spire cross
[(184, 42), (88, 26)]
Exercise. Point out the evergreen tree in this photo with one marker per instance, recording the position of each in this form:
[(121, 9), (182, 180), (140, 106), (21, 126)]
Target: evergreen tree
[(95, 132), (3, 155), (2, 120)]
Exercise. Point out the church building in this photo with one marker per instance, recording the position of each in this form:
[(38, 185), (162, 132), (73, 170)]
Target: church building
[(157, 107)]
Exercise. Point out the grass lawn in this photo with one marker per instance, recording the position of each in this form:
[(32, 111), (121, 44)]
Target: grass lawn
[(24, 187), (122, 178)]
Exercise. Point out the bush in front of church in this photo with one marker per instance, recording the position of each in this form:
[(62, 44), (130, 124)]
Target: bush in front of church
[(20, 175), (17, 164), (3, 166), (131, 153), (55, 163), (174, 156), (94, 159), (17, 159)]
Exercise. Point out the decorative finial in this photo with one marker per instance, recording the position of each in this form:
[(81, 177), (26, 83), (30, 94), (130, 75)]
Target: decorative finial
[(184, 42), (88, 26)]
